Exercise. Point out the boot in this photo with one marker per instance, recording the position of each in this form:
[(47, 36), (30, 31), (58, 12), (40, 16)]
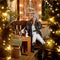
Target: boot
[(33, 47)]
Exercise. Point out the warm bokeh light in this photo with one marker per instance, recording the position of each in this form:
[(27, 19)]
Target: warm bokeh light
[(8, 58), (21, 5), (8, 48), (5, 14), (52, 11), (2, 7), (58, 49), (56, 9), (39, 12), (40, 5), (40, 20), (50, 43), (0, 28), (58, 32), (21, 12), (57, 3), (52, 19), (3, 24), (58, 14)]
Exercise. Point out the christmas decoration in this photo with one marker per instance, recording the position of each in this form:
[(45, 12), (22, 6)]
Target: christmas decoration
[(5, 31), (55, 21)]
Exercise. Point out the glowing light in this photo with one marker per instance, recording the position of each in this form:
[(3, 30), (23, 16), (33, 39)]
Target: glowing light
[(58, 14), (21, 5), (0, 28), (40, 5), (50, 8), (53, 32), (56, 9), (10, 29), (52, 11), (50, 43), (8, 48), (40, 20), (40, 12), (8, 58), (5, 14), (3, 43), (58, 49), (9, 35), (3, 24), (57, 3), (52, 19), (21, 12), (9, 39), (2, 7), (3, 20), (58, 32)]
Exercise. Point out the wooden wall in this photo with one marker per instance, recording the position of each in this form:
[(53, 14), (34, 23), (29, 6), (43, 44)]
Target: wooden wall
[(37, 4)]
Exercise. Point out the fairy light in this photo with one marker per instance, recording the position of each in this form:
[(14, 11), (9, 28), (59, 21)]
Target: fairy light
[(9, 58), (2, 7), (8, 48), (21, 12), (52, 11), (56, 9), (58, 14), (52, 19), (5, 14), (3, 24), (40, 5), (50, 8), (21, 5), (57, 3)]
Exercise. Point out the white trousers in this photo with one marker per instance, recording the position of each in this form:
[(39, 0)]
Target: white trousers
[(38, 37)]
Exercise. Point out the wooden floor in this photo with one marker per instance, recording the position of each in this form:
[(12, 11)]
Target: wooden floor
[(25, 57)]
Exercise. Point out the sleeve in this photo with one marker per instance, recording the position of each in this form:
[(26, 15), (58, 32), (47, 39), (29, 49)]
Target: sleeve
[(39, 25)]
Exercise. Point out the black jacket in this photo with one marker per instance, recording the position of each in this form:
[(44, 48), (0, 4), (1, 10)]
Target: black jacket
[(37, 26)]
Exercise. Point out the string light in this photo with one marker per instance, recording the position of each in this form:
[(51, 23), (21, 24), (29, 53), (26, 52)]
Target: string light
[(56, 9), (50, 8), (48, 3)]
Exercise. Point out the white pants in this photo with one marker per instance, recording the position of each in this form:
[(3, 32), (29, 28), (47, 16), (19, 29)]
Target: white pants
[(38, 37)]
